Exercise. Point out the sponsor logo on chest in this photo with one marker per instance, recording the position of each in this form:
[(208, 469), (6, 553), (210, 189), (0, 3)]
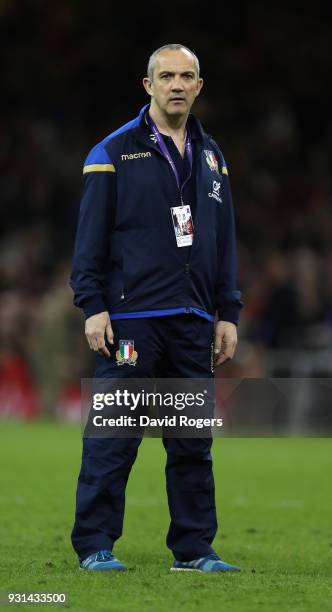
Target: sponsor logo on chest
[(215, 193), (141, 155)]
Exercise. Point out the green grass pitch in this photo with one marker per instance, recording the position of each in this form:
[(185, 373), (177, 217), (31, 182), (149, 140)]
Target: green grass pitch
[(274, 506)]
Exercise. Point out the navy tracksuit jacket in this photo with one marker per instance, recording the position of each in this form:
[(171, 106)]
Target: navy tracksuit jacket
[(126, 258), (163, 297)]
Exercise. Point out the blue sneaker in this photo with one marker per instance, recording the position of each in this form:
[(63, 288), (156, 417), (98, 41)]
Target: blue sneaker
[(104, 561), (211, 563)]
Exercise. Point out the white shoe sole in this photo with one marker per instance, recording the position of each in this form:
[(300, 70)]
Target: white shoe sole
[(87, 569), (185, 569)]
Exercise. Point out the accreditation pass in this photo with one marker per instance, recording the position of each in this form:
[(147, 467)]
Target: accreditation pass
[(183, 225)]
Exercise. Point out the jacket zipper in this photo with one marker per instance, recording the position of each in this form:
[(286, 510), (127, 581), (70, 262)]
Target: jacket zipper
[(187, 266)]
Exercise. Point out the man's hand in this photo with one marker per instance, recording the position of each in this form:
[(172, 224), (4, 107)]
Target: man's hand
[(225, 341), (95, 329)]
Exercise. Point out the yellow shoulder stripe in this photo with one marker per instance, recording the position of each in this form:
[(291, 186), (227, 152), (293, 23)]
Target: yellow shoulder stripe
[(99, 168), (224, 170)]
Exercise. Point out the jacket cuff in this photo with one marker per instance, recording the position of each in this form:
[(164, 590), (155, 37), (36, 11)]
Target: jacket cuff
[(93, 305), (229, 313)]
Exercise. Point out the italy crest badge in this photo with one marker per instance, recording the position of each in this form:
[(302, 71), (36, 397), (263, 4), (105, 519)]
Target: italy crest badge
[(126, 353), (211, 160)]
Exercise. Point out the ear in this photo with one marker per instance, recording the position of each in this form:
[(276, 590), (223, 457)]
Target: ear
[(147, 84), (200, 83)]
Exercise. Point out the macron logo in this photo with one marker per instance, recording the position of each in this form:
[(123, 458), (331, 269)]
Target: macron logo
[(136, 155)]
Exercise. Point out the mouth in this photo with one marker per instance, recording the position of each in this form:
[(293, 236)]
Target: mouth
[(177, 99)]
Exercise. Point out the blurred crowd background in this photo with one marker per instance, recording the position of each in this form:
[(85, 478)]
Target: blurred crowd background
[(72, 75)]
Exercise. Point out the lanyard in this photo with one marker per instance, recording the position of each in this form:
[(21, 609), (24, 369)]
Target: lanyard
[(166, 153)]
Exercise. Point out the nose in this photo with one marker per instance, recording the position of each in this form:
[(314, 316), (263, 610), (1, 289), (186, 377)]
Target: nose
[(177, 84)]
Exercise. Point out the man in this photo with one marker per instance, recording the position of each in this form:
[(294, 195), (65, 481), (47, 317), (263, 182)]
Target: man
[(145, 284)]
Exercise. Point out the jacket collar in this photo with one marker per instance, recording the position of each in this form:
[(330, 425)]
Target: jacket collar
[(143, 132)]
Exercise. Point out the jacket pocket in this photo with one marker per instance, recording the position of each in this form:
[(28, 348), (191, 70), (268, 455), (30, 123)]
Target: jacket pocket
[(115, 287)]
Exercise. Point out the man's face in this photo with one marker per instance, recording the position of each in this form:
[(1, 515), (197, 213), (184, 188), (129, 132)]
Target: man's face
[(175, 85)]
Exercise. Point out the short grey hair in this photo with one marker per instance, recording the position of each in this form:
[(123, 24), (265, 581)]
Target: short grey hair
[(173, 47)]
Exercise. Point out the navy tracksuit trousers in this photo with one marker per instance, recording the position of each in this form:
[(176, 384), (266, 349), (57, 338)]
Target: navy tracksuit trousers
[(167, 347)]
